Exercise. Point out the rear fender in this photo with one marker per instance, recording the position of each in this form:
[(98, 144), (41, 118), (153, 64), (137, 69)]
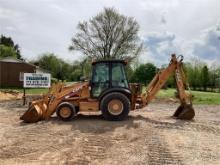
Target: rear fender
[(124, 91)]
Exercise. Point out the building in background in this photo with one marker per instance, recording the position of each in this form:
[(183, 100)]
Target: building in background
[(11, 71)]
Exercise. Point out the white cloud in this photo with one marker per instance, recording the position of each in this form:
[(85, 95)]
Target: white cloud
[(208, 46), (166, 26), (160, 45), (163, 19)]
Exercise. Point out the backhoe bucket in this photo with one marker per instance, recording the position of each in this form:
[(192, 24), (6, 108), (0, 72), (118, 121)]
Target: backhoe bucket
[(35, 112), (184, 112)]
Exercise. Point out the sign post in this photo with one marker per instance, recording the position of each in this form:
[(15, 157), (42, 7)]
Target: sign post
[(35, 80), (24, 97)]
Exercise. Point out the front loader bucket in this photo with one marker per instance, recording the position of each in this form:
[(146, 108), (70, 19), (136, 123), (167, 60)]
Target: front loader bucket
[(35, 112), (184, 112)]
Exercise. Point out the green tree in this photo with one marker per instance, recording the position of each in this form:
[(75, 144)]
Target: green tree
[(109, 35), (194, 73), (205, 77), (218, 79), (214, 76), (76, 71), (58, 68), (8, 48), (86, 66), (7, 41), (129, 73), (144, 73), (6, 51)]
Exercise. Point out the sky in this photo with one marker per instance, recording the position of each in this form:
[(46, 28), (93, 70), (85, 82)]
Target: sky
[(187, 27)]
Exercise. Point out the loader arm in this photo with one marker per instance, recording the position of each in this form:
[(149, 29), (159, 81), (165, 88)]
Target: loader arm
[(185, 111), (42, 109)]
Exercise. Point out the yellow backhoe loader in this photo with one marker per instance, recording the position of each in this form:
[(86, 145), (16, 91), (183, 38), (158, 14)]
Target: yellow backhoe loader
[(108, 91)]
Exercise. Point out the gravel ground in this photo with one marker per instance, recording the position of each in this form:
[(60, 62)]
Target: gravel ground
[(148, 136)]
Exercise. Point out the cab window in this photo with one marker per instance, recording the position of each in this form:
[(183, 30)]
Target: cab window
[(100, 80), (118, 76)]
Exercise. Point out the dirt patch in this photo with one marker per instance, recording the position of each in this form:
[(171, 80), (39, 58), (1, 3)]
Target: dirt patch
[(10, 95), (148, 136)]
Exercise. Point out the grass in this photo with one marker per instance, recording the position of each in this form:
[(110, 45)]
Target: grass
[(33, 91), (198, 97)]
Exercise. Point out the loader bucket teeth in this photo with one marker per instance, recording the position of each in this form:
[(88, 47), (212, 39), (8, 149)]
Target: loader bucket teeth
[(184, 112)]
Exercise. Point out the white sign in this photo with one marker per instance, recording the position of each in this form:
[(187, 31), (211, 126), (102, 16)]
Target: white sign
[(36, 80)]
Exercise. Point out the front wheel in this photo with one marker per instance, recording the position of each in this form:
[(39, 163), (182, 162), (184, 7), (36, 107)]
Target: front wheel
[(115, 106), (66, 111)]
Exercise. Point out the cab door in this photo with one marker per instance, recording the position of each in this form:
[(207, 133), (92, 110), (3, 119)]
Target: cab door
[(118, 76), (100, 79)]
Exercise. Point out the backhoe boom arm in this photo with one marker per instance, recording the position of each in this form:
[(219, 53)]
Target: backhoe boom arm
[(175, 66)]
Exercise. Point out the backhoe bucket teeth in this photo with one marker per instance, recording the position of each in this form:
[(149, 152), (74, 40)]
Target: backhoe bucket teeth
[(35, 112), (184, 112)]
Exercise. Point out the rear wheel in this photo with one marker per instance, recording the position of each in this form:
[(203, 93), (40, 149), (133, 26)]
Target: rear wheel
[(115, 106), (66, 111)]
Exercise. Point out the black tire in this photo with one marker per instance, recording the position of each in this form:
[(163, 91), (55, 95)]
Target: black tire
[(123, 108), (68, 106), (77, 109)]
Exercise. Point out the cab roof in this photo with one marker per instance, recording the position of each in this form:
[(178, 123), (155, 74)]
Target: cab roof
[(110, 61)]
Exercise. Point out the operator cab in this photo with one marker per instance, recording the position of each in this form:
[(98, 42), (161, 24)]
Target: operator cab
[(108, 74)]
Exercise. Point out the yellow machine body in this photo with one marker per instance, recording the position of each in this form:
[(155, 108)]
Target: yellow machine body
[(67, 101)]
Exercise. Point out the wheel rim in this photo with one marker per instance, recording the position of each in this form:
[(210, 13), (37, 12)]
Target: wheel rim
[(115, 107), (65, 112)]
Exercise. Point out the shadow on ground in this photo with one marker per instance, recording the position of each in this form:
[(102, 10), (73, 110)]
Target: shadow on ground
[(97, 124)]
